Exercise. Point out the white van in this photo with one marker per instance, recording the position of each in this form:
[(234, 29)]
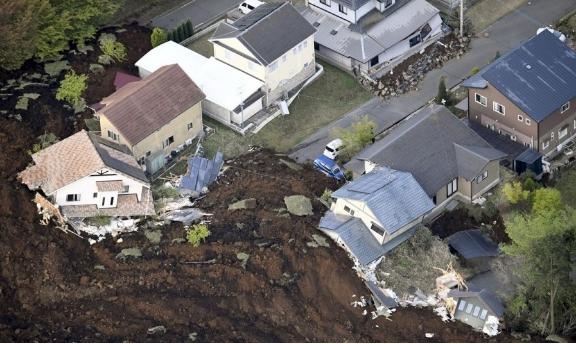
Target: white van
[(333, 148), (248, 5)]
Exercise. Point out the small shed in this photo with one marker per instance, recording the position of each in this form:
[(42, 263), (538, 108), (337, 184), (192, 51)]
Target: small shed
[(474, 307), (475, 247), (528, 160)]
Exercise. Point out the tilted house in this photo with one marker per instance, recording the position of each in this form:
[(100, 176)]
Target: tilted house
[(87, 176), (529, 94), (476, 307), (232, 96), (376, 212), (273, 43), (447, 158), (153, 116), (367, 35)]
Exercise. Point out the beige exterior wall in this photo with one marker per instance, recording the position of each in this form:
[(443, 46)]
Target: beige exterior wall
[(360, 211), (178, 128), (275, 75), (493, 178)]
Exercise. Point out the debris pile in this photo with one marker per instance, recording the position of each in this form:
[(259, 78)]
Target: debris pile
[(407, 75), (201, 173)]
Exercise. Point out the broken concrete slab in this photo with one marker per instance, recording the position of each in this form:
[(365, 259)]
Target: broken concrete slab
[(132, 252), (33, 96), (22, 103), (157, 330), (249, 203), (298, 205), (243, 258)]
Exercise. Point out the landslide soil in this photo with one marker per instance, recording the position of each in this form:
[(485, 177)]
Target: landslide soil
[(50, 289)]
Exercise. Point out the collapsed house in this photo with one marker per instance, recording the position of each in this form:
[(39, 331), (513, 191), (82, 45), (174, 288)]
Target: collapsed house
[(86, 176)]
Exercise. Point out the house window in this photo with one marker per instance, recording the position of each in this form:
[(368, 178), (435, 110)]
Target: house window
[(469, 308), (462, 305), (95, 195), (126, 189), (425, 31), (545, 144), (148, 153), (342, 9), (476, 311), (168, 142), (377, 229), (481, 177), (521, 118), (274, 66), (565, 107), (72, 198), (103, 201), (111, 200), (142, 160), (188, 126), (348, 210), (513, 137), (483, 314), (374, 61), (388, 3), (300, 47), (326, 2), (452, 187), (480, 99), (552, 135), (415, 40), (316, 46), (112, 135), (563, 132), (499, 108), (528, 122)]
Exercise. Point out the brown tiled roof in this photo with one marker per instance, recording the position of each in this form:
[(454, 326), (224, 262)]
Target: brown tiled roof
[(112, 185), (74, 158), (142, 107)]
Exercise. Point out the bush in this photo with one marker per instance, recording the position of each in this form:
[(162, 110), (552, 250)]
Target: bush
[(355, 138), (515, 193), (474, 70), (165, 192), (443, 97), (72, 87), (180, 33), (327, 196), (114, 49), (197, 234), (44, 141), (158, 36), (189, 28)]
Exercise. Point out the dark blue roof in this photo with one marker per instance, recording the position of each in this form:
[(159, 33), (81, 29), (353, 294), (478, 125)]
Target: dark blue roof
[(529, 156), (201, 172), (539, 76), (472, 244)]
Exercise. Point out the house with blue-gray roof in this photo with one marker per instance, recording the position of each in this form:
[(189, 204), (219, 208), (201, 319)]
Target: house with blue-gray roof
[(528, 95), (376, 212)]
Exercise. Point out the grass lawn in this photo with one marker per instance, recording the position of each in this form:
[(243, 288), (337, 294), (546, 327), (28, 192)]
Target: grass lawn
[(485, 12), (330, 97), (202, 46)]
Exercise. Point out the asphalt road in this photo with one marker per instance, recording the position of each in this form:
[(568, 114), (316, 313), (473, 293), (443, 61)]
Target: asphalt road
[(199, 12), (503, 35)]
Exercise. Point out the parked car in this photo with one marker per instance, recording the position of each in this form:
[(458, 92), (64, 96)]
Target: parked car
[(248, 5), (333, 148), (329, 167)]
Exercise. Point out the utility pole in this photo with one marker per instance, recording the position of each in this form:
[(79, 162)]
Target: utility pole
[(461, 18)]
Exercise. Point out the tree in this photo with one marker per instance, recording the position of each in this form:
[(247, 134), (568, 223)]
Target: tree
[(197, 234), (72, 87), (189, 28), (497, 56), (158, 36), (180, 34), (19, 24), (442, 97), (515, 193), (546, 202), (170, 36), (356, 137), (474, 70), (113, 48)]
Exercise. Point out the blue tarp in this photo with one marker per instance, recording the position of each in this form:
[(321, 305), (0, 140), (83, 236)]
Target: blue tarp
[(201, 173)]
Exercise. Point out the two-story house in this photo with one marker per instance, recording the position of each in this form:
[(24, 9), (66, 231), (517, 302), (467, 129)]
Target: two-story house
[(529, 94), (446, 157), (85, 176), (376, 212), (364, 36), (154, 116), (273, 43)]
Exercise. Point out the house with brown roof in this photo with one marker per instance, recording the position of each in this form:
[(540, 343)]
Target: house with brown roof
[(85, 176), (153, 117)]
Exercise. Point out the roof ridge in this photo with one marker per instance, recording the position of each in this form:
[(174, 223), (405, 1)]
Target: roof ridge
[(467, 148)]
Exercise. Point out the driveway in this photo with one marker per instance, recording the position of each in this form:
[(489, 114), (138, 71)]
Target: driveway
[(501, 36), (199, 12)]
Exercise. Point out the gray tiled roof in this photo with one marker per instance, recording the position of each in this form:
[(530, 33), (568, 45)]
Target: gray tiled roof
[(394, 197), (435, 146), (472, 244), (363, 46), (357, 238), (491, 301), (117, 157), (269, 31), (539, 76)]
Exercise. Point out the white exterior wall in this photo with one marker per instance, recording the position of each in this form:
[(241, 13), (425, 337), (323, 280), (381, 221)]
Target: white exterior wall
[(86, 188), (216, 111), (238, 61), (350, 15), (361, 212), (248, 112)]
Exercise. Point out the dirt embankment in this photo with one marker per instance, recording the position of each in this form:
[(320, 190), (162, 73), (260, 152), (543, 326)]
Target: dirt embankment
[(55, 287)]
